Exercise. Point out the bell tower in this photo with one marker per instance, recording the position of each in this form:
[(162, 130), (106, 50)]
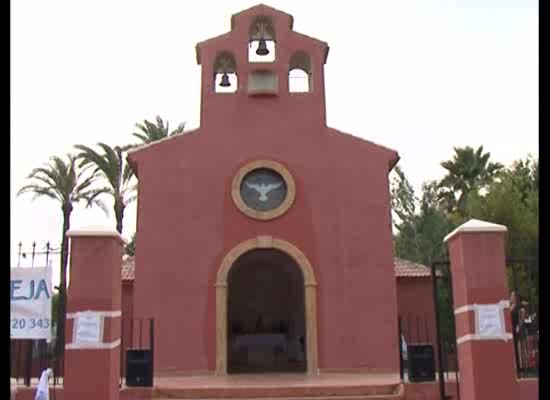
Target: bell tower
[(262, 68)]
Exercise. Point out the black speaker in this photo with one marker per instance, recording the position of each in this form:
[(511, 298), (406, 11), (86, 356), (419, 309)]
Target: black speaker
[(139, 368), (421, 362)]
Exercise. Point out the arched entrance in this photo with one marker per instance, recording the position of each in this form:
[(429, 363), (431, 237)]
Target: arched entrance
[(265, 314), (283, 261)]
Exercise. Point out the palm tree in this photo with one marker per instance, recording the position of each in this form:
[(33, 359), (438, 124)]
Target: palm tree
[(151, 132), (467, 173), (130, 248), (65, 183), (111, 165)]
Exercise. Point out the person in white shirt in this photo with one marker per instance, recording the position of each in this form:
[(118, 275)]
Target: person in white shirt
[(13, 387), (43, 392)]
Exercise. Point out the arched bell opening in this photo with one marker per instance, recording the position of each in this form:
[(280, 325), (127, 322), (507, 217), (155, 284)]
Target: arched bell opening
[(299, 73), (261, 42), (225, 73)]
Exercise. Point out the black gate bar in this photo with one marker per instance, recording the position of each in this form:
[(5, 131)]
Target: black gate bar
[(438, 330), (400, 344), (453, 329)]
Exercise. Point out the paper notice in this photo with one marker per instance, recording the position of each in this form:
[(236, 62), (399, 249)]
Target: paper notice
[(88, 328), (489, 320)]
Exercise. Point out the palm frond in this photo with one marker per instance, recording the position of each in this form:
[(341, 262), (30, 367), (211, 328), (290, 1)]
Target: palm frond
[(141, 137), (39, 191), (127, 174), (128, 147), (179, 129), (101, 205), (46, 173), (131, 199), (151, 132), (89, 156), (62, 180), (44, 180), (106, 163)]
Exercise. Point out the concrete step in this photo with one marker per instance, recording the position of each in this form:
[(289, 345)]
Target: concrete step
[(386, 397), (381, 392)]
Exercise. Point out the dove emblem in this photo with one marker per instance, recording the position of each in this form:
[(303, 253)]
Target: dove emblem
[(263, 189)]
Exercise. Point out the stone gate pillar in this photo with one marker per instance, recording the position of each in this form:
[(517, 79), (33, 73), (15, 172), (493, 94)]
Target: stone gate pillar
[(93, 328), (482, 313)]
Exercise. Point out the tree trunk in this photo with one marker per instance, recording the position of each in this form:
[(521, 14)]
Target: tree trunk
[(119, 200), (119, 215), (61, 315)]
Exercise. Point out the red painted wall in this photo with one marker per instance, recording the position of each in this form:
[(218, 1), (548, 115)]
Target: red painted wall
[(126, 320), (529, 389), (127, 300), (415, 305), (340, 219)]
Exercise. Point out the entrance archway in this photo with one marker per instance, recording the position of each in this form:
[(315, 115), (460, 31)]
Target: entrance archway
[(265, 314), (309, 283)]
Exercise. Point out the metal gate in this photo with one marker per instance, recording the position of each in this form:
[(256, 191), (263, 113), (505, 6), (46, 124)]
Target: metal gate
[(440, 340), (524, 308), (447, 355)]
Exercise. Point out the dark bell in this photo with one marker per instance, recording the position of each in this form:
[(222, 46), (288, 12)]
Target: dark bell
[(225, 81), (262, 48)]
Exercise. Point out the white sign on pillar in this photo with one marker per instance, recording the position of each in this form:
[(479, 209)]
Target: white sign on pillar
[(88, 328), (489, 320)]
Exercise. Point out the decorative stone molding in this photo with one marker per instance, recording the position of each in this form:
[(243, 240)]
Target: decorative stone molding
[(263, 215), (259, 243), (310, 290), (475, 225), (96, 232)]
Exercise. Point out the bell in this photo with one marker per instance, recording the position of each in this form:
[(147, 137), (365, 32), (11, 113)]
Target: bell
[(262, 48), (225, 80)]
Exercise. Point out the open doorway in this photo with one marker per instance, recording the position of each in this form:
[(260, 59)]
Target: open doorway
[(266, 324)]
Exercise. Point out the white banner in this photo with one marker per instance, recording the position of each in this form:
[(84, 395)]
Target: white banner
[(31, 303)]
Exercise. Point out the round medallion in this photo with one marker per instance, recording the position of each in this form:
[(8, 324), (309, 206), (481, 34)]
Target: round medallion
[(263, 189)]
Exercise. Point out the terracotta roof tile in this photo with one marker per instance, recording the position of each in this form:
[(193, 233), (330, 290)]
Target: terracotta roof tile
[(128, 269), (409, 269), (403, 269)]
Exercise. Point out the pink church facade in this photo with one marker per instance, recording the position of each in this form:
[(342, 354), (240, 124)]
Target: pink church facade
[(340, 217)]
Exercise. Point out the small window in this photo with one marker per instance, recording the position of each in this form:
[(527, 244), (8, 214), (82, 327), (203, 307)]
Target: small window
[(262, 82), (225, 73), (261, 42), (299, 74)]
